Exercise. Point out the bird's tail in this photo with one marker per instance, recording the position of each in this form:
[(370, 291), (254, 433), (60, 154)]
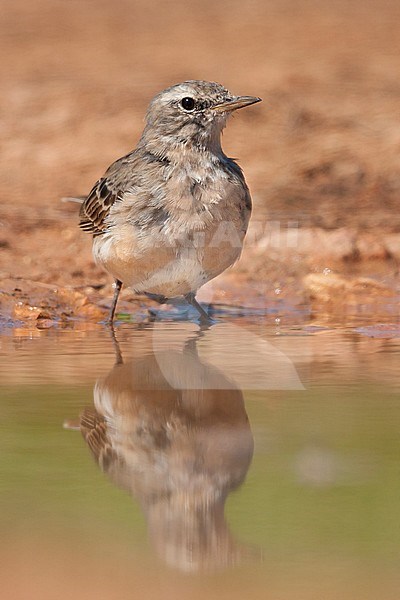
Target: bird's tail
[(76, 199)]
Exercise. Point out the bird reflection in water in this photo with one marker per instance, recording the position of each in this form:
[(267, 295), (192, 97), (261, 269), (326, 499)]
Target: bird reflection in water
[(172, 430)]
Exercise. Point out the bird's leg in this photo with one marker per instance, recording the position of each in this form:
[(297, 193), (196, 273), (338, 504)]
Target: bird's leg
[(204, 318), (157, 298), (118, 286), (118, 354)]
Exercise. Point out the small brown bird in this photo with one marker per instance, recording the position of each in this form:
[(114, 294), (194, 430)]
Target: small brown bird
[(172, 214)]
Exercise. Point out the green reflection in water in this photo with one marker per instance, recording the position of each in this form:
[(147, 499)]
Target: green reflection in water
[(325, 477), (48, 479)]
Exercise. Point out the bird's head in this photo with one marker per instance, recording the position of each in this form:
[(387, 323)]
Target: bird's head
[(191, 113)]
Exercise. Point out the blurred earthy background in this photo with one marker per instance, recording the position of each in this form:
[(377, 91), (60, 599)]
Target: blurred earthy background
[(320, 154)]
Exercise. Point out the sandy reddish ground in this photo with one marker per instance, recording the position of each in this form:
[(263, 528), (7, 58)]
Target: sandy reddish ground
[(321, 154)]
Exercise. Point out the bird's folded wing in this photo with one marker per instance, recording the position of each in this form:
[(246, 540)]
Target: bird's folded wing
[(119, 178), (97, 205)]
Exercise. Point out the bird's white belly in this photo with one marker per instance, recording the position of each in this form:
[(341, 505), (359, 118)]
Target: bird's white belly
[(180, 276), (148, 264), (163, 271)]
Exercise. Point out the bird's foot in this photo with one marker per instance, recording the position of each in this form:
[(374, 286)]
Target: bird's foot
[(205, 319)]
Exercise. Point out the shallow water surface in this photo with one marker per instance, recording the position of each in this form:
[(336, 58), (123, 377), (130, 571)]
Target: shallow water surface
[(239, 461)]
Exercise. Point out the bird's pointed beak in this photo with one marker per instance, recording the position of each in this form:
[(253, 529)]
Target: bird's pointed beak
[(235, 103)]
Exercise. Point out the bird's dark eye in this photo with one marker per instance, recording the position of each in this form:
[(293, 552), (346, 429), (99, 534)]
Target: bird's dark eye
[(188, 103)]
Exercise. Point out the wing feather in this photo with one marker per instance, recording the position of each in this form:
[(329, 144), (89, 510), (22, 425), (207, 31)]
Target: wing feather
[(108, 190), (97, 205)]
